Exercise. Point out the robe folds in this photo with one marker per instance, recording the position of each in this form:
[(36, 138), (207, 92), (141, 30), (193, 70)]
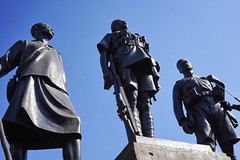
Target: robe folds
[(40, 114)]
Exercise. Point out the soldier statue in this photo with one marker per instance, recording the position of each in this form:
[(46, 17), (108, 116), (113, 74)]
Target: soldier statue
[(126, 55), (204, 114), (40, 114)]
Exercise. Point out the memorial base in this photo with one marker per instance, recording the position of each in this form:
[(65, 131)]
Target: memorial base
[(158, 149)]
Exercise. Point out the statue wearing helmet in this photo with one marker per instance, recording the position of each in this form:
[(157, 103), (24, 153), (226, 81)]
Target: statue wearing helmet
[(137, 70)]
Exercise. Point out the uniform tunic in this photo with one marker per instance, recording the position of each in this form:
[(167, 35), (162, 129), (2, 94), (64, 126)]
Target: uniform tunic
[(209, 120), (132, 61)]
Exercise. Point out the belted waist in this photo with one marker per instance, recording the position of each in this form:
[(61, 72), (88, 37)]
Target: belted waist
[(195, 95), (135, 43), (206, 93), (126, 41)]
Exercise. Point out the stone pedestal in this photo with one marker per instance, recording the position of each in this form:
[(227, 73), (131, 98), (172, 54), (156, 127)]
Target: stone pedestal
[(159, 149)]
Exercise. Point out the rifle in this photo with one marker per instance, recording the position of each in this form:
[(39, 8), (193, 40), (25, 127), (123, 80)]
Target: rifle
[(236, 107), (124, 109), (228, 92)]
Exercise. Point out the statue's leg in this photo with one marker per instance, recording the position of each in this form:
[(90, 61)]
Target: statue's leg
[(227, 147), (18, 152), (146, 115), (132, 96), (72, 150)]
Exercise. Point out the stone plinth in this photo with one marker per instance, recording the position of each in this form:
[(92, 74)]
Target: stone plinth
[(160, 149)]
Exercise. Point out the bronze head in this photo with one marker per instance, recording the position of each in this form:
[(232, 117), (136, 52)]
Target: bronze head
[(119, 25), (184, 65), (42, 28)]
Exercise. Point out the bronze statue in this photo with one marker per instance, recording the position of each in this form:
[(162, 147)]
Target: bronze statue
[(204, 114), (126, 63), (40, 114)]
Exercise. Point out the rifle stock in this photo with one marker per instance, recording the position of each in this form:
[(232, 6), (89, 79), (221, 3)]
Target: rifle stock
[(236, 107)]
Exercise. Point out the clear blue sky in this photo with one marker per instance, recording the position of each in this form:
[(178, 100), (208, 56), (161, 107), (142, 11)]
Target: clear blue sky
[(203, 31)]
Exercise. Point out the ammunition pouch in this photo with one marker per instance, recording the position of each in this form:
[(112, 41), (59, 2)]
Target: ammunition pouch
[(126, 41), (194, 96), (129, 39)]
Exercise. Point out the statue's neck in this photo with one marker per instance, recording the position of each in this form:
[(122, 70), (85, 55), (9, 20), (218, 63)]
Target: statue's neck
[(188, 74), (42, 39)]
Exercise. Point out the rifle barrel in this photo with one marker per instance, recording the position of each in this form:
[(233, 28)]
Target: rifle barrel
[(228, 92)]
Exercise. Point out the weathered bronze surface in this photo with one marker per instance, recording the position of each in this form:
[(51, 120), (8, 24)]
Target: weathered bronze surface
[(40, 114), (134, 74), (204, 114)]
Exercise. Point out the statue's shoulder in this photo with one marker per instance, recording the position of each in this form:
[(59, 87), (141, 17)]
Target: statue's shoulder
[(179, 82), (18, 45), (20, 42), (108, 35)]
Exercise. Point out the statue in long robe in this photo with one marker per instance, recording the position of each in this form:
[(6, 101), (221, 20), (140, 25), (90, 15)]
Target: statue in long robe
[(40, 114)]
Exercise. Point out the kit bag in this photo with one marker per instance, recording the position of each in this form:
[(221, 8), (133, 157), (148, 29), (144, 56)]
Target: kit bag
[(11, 87), (233, 120)]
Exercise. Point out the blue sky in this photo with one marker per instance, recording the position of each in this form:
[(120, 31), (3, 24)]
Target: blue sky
[(205, 32)]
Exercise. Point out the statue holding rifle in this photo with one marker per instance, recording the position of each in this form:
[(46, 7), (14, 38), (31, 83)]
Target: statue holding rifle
[(40, 114), (228, 106), (126, 63), (200, 99)]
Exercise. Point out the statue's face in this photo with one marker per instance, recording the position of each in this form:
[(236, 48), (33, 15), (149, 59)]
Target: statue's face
[(184, 65), (46, 30), (42, 29)]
